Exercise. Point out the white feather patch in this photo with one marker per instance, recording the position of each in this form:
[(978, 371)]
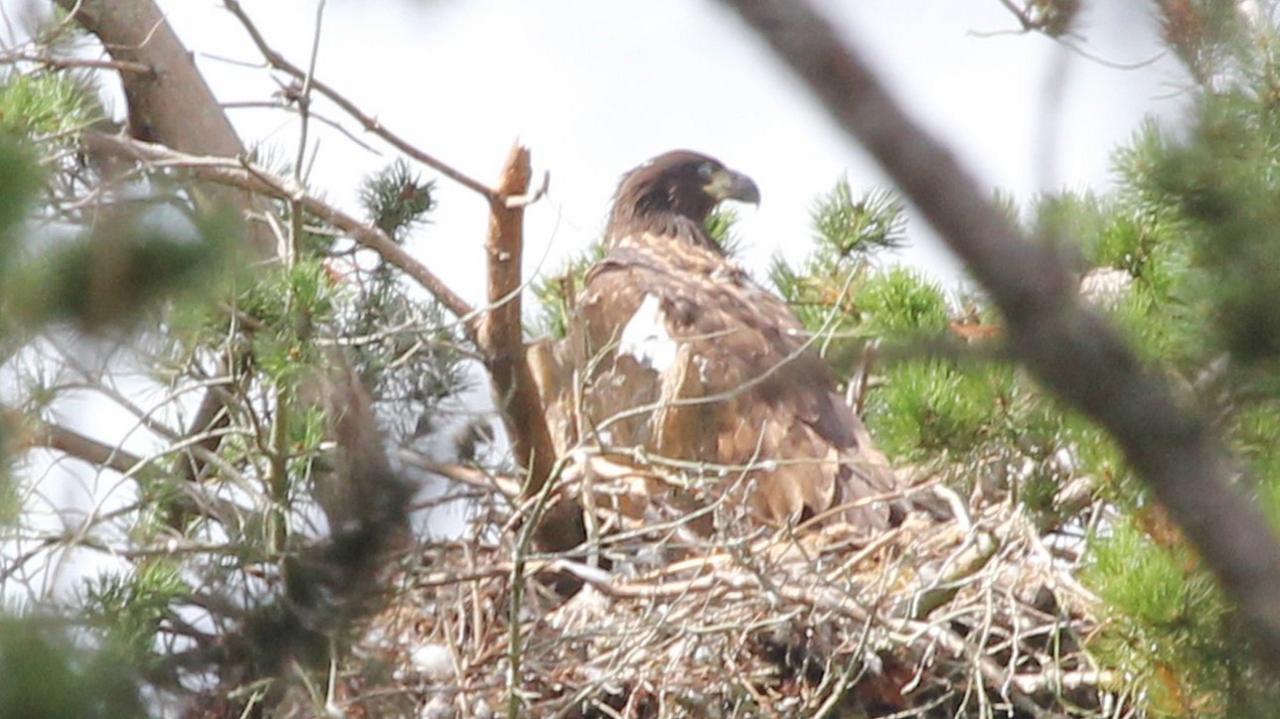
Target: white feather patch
[(646, 338)]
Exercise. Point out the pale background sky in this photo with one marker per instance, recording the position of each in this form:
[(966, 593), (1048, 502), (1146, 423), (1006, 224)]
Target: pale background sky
[(594, 87)]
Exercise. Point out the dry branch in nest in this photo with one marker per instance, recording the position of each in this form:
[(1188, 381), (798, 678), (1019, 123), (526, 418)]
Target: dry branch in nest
[(928, 619)]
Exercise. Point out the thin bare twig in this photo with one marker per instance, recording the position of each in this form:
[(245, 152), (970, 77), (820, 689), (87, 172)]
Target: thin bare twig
[(314, 115), (67, 63), (372, 124)]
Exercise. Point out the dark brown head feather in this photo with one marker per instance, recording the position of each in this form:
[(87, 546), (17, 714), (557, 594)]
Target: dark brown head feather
[(671, 196)]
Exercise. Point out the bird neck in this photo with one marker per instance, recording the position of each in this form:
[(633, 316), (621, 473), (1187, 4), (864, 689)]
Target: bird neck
[(664, 253), (638, 226)]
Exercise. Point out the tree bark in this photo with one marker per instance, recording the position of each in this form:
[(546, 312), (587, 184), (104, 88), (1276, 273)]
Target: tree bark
[(501, 334), (172, 103)]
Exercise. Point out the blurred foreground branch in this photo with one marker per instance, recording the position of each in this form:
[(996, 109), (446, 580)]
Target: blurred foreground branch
[(172, 104), (1068, 347)]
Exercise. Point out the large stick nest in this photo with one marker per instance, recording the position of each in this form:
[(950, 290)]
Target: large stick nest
[(975, 615)]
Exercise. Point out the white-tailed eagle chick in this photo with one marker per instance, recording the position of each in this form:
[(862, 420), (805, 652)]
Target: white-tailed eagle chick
[(679, 352)]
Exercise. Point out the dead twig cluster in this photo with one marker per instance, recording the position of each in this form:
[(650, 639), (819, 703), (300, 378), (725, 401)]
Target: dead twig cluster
[(955, 618)]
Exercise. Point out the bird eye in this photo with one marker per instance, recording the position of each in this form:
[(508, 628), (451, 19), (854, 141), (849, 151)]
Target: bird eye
[(706, 170)]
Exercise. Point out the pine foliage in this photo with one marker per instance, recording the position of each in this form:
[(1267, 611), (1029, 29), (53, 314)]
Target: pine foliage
[(244, 549), (238, 544)]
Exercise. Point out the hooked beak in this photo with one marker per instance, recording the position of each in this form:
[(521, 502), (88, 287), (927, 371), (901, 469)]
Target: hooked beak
[(730, 185)]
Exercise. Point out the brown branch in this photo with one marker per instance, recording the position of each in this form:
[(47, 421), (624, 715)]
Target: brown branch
[(371, 124), (254, 179), (39, 433), (1068, 347), (501, 337), (64, 63), (498, 335), (508, 487), (171, 102)]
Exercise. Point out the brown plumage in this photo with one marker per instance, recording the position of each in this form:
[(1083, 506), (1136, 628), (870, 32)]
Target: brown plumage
[(682, 354)]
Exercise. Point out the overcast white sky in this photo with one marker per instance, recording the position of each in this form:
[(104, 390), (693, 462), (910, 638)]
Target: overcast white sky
[(595, 87)]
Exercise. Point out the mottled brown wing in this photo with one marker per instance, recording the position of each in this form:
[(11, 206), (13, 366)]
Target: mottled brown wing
[(690, 359)]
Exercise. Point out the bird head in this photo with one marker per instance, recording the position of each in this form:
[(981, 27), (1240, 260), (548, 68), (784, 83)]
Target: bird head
[(677, 184)]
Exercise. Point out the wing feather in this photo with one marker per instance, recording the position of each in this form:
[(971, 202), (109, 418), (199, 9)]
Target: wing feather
[(744, 388)]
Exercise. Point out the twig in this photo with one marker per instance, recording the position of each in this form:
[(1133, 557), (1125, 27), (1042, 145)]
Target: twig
[(250, 177), (66, 63), (314, 115), (1068, 347), (278, 61), (82, 447), (1030, 25)]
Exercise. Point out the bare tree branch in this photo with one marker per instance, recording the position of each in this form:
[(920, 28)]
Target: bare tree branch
[(171, 103), (1069, 348), (501, 336), (75, 444), (278, 61), (67, 63), (255, 179)]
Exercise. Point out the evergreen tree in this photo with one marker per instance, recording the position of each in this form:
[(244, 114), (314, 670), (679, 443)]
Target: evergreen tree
[(244, 548)]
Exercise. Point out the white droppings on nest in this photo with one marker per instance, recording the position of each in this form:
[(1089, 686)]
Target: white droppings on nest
[(787, 704), (582, 610), (376, 636), (432, 661), (1066, 460), (646, 337), (691, 649), (440, 707)]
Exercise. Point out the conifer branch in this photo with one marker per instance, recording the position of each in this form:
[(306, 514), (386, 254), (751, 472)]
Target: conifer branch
[(245, 175), (172, 104), (1068, 347)]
